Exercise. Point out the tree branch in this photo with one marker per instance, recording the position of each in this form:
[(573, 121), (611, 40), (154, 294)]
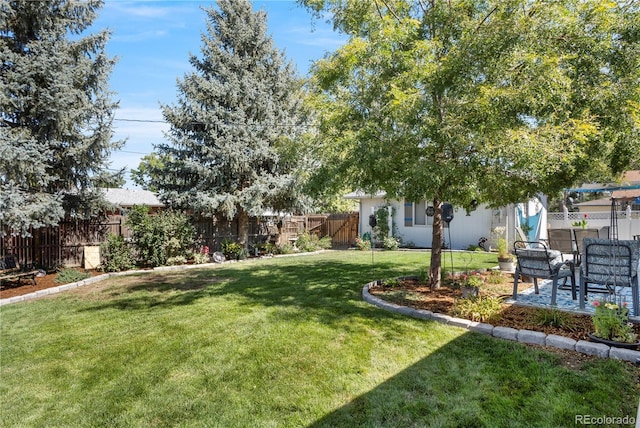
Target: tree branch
[(485, 18), (391, 11)]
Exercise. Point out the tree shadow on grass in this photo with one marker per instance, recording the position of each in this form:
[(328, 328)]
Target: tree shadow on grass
[(325, 287), (480, 381)]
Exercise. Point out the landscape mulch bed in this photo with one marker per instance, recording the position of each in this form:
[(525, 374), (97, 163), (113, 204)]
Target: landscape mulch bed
[(442, 300), (25, 286)]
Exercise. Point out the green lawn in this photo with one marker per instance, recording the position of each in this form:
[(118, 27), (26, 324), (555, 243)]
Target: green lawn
[(279, 342)]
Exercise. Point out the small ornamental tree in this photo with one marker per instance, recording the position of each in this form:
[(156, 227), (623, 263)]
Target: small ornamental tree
[(486, 100)]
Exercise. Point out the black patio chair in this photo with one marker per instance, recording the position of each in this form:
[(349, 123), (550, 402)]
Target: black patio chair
[(610, 263), (536, 261)]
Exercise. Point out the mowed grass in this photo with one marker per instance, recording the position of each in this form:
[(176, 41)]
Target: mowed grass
[(283, 342)]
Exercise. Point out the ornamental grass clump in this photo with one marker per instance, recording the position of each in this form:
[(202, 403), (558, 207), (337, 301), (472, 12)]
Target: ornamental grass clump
[(611, 322)]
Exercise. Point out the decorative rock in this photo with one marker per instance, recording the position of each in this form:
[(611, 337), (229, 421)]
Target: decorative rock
[(561, 342), (590, 348)]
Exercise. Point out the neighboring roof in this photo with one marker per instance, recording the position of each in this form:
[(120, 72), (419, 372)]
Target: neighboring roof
[(358, 194), (595, 203), (125, 198), (630, 181), (626, 194)]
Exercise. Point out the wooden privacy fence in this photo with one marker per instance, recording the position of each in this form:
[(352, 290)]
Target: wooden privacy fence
[(63, 245)]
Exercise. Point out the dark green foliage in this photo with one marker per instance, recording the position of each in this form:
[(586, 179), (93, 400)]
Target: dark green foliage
[(55, 111), (115, 255), (161, 236), (231, 150), (68, 275), (308, 242), (230, 249)]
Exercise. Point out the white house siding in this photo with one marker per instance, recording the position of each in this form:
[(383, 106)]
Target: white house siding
[(464, 230)]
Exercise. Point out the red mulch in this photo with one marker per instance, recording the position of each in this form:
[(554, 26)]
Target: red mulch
[(25, 286)]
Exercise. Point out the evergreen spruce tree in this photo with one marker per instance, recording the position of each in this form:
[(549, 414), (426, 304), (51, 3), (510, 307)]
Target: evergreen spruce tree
[(234, 125), (55, 111)]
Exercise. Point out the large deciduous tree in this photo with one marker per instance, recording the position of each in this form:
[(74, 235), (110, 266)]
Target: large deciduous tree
[(55, 111), (488, 100), (232, 128)]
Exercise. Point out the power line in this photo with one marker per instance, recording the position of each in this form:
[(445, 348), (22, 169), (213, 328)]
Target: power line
[(141, 120), (248, 125)]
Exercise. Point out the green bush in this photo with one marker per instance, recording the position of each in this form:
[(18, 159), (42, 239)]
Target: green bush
[(158, 237), (390, 243), (363, 244), (68, 275), (115, 255), (230, 249), (200, 258), (176, 260), (285, 248), (308, 242)]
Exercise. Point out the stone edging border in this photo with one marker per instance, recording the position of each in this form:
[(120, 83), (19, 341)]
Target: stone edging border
[(508, 333)]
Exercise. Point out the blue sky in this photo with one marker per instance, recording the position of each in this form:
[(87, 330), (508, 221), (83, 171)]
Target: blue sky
[(152, 41)]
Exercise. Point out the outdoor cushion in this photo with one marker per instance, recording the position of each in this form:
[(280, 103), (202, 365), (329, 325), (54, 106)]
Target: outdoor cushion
[(539, 253), (611, 263)]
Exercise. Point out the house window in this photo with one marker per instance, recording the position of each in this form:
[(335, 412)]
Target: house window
[(420, 218), (415, 214)]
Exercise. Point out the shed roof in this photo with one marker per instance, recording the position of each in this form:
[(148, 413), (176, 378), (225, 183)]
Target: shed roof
[(125, 198)]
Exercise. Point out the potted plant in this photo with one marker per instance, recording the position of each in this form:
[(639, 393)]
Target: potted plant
[(612, 326), (505, 258), (470, 284)]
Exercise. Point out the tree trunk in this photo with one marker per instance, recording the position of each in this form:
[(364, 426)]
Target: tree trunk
[(436, 246), (243, 228)]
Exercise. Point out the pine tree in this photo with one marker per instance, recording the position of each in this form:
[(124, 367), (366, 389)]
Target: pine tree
[(55, 111), (233, 127)]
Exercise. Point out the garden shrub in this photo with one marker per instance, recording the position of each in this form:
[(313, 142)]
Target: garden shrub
[(176, 260), (202, 256), (231, 249), (390, 243), (159, 237), (363, 244), (115, 255), (285, 248), (307, 242)]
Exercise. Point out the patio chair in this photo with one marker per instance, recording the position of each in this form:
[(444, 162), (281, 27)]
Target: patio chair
[(580, 234), (536, 261), (563, 240), (611, 264)]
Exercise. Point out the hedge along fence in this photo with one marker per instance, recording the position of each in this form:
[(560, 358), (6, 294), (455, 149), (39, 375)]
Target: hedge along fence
[(63, 245)]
